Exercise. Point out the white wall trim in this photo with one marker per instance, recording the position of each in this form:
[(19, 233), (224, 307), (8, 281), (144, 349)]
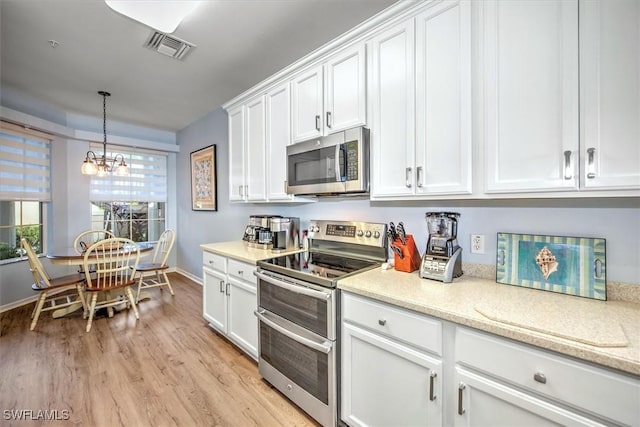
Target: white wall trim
[(188, 275)]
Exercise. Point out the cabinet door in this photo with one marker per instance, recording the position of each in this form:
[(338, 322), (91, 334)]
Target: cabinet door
[(278, 137), (387, 384), (484, 402), (610, 93), (243, 324), (236, 154), (255, 150), (530, 65), (307, 105), (443, 101), (214, 299), (392, 111), (345, 99)]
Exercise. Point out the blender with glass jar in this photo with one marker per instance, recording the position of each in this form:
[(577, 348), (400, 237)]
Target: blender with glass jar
[(442, 259)]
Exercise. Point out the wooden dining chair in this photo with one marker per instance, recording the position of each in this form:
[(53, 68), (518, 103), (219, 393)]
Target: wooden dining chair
[(114, 262), (54, 292), (87, 238), (153, 274)]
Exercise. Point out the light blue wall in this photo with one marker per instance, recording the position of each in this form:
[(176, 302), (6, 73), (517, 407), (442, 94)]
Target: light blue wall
[(616, 220)]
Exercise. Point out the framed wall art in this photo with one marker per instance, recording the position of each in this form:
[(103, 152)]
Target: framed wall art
[(568, 265), (203, 179)]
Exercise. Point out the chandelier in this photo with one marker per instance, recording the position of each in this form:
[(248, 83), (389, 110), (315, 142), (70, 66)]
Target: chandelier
[(101, 166)]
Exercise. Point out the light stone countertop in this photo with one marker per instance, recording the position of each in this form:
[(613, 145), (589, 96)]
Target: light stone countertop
[(239, 249), (602, 332)]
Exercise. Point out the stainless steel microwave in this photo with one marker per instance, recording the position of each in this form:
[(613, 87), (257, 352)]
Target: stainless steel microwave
[(330, 165)]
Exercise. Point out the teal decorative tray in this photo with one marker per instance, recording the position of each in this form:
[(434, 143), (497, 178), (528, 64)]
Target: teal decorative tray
[(567, 265)]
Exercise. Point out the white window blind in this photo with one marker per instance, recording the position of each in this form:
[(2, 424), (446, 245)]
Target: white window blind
[(147, 180), (25, 164)]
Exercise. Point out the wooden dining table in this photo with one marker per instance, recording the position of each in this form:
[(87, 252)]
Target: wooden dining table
[(69, 256)]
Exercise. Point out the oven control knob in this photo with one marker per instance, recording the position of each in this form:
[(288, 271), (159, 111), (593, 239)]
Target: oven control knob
[(360, 233), (376, 235), (368, 233)]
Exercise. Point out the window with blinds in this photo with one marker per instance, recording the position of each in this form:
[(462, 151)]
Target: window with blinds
[(25, 186), (131, 206), (25, 158), (147, 180)]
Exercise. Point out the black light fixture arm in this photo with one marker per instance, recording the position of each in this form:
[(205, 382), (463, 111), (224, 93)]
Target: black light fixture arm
[(92, 164)]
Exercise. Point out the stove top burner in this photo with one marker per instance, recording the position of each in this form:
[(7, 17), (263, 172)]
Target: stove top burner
[(320, 268)]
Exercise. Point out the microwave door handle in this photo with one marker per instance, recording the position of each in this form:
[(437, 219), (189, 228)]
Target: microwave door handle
[(341, 167), (293, 288), (323, 348)]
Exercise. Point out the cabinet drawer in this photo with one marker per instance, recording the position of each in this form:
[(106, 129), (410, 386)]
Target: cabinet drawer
[(214, 261), (592, 389), (242, 271), (413, 328)]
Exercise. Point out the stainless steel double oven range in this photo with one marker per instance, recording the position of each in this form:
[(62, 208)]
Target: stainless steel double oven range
[(298, 311)]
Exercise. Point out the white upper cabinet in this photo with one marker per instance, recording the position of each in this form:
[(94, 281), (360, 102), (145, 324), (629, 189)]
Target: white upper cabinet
[(330, 97), (255, 150), (278, 137), (391, 91), (307, 105), (345, 93), (247, 151), (443, 99), (420, 100), (529, 67), (236, 154), (610, 94)]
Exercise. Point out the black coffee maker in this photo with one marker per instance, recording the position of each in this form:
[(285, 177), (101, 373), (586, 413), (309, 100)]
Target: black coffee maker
[(443, 257)]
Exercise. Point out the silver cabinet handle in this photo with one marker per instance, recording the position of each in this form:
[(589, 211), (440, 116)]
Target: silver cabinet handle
[(382, 322), (328, 122), (318, 123), (228, 289), (408, 177), (432, 378), (419, 176), (540, 377), (461, 388), (591, 167), (240, 190), (222, 286), (568, 173)]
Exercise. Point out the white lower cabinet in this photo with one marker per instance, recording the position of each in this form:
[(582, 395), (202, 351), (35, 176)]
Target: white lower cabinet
[(402, 368), (501, 382), (388, 379), (229, 300)]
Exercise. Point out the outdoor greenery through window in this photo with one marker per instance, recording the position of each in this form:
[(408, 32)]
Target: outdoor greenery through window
[(138, 221), (18, 220)]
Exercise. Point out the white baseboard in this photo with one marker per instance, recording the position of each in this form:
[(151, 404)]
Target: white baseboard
[(188, 275)]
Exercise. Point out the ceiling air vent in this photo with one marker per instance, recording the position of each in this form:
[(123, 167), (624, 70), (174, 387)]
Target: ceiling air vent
[(169, 45)]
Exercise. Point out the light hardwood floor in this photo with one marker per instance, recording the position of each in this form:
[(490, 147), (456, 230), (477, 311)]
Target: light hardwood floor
[(168, 368)]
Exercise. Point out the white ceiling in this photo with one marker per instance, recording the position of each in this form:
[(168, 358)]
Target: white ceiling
[(239, 43)]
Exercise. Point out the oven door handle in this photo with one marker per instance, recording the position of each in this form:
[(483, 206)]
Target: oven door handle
[(321, 347), (294, 288)]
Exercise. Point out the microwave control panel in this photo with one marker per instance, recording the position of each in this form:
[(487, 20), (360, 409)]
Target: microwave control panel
[(351, 150)]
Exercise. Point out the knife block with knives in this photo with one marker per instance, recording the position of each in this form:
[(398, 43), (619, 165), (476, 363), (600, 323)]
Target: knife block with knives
[(408, 259)]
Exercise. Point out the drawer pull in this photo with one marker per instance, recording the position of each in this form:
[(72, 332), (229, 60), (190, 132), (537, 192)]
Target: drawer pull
[(382, 322), (210, 262), (240, 272), (461, 388), (540, 377), (432, 378), (222, 286)]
